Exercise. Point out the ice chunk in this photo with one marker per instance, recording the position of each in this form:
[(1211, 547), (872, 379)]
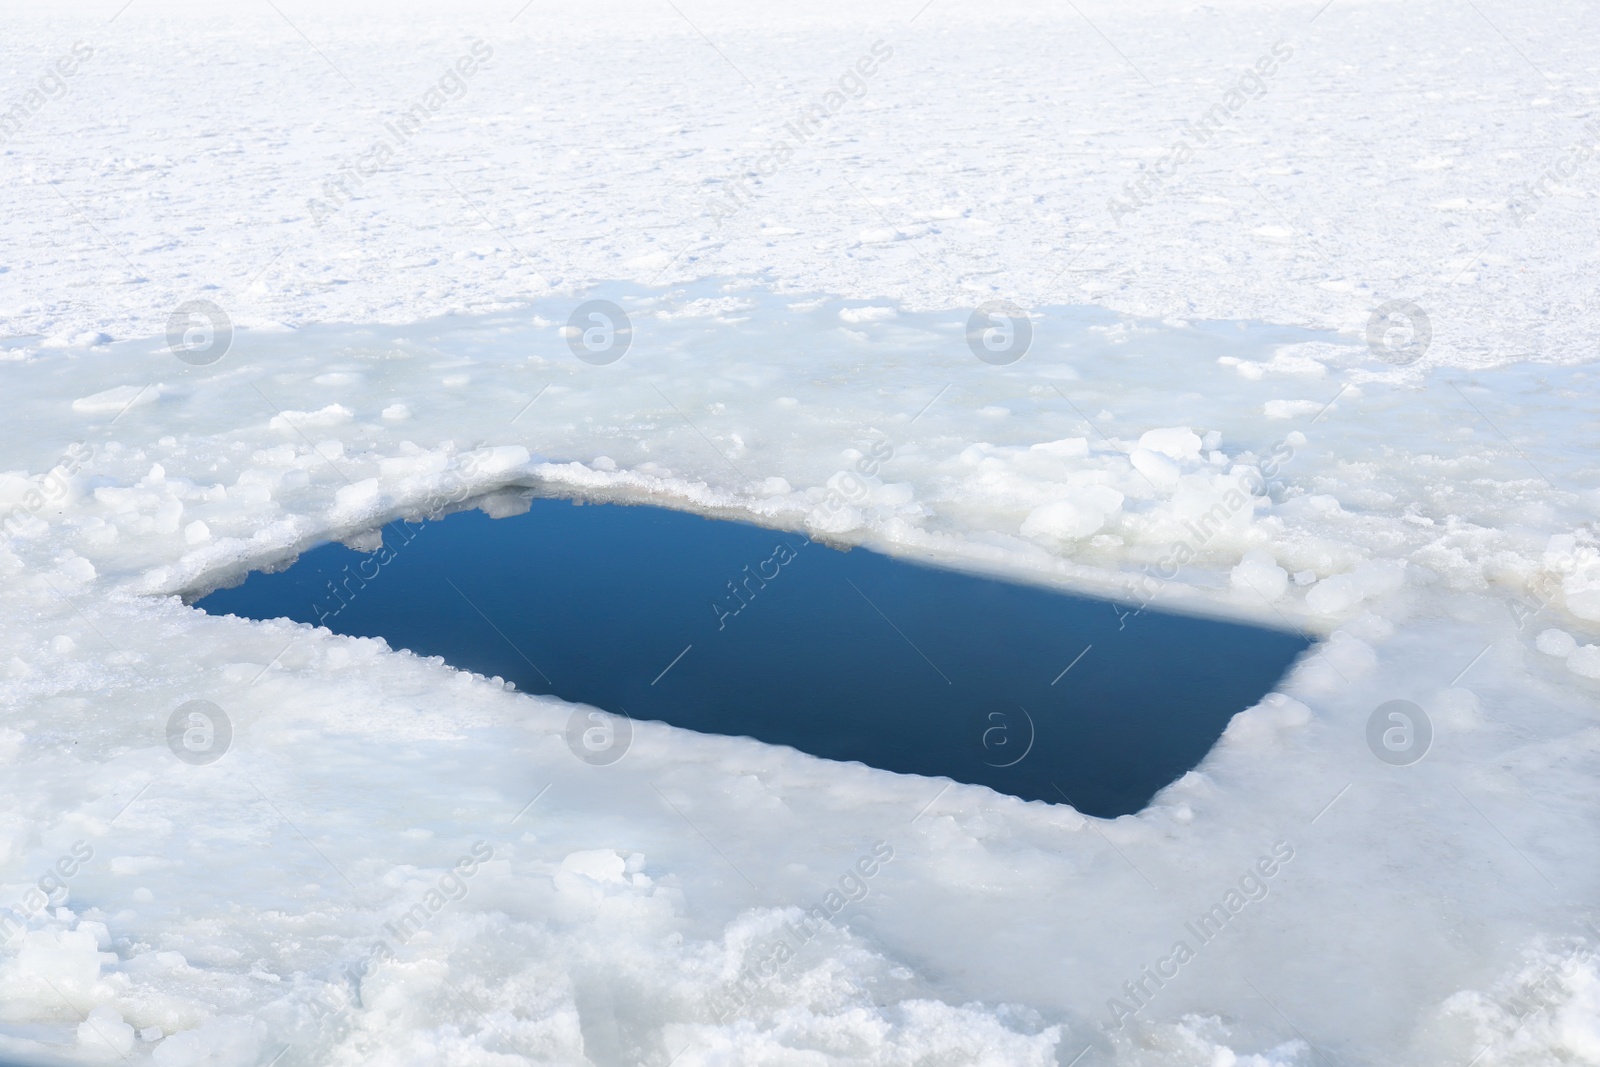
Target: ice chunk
[(1179, 442), (1161, 471), (332, 415), (68, 960), (1585, 661), (76, 569), (1263, 724), (117, 400), (1339, 593), (218, 1040), (498, 460), (1289, 409), (601, 864), (1333, 594), (1080, 515), (1583, 596), (359, 497), (104, 1031), (1259, 572), (866, 314), (1555, 642), (1069, 447)]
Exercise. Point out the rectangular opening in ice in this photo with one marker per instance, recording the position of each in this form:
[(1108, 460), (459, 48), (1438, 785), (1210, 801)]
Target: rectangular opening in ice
[(642, 612)]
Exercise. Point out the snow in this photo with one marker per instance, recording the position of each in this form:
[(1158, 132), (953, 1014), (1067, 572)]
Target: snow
[(1328, 195), (1219, 434)]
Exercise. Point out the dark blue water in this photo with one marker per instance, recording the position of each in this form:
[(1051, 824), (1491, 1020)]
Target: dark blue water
[(735, 629)]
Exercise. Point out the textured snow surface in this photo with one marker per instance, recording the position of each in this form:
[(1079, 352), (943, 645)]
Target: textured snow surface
[(1390, 157), (395, 862)]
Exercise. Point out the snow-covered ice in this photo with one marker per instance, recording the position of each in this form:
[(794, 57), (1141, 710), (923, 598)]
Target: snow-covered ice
[(396, 862)]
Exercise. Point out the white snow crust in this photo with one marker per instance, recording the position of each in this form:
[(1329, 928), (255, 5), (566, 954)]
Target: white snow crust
[(1214, 434)]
